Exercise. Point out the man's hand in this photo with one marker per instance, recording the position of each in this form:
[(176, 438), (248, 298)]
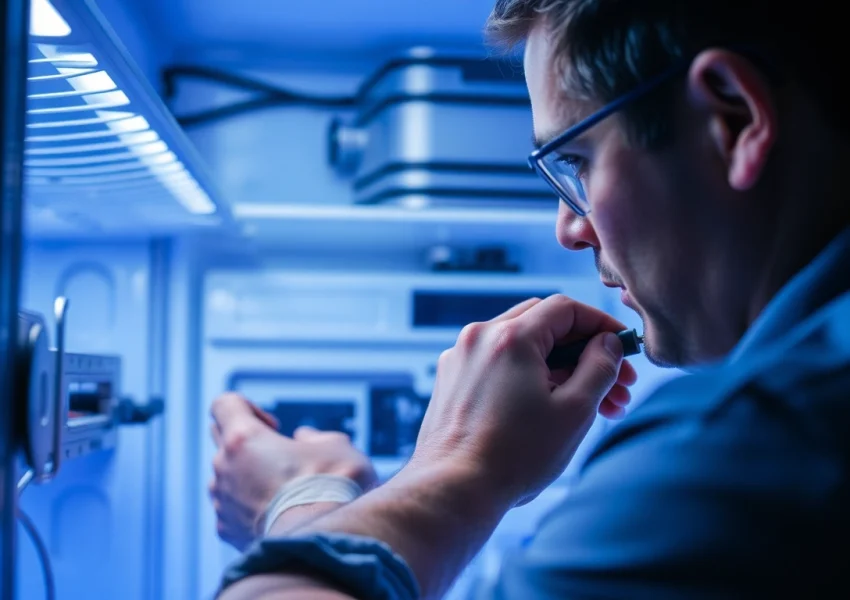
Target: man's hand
[(254, 460), (497, 408)]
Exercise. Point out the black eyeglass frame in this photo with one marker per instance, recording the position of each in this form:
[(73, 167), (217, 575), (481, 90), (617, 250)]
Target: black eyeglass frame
[(535, 159)]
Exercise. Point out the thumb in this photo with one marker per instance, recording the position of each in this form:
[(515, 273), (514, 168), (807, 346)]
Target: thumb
[(266, 417), (596, 371), (305, 433)]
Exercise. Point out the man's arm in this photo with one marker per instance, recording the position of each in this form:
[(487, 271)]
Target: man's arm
[(437, 520), (499, 428), (737, 498)]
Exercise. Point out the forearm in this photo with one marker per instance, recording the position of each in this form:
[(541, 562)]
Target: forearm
[(281, 587), (436, 519), (287, 587)]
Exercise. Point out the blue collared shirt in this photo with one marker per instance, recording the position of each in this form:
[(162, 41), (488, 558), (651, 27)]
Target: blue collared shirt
[(728, 483)]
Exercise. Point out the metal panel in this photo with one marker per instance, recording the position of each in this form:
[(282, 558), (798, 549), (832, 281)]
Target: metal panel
[(13, 32), (95, 516)]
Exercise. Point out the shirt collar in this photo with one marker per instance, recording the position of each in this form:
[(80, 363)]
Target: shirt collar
[(824, 279)]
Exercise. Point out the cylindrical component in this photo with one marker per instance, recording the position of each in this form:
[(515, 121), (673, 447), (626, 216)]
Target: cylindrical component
[(34, 390), (562, 357), (346, 144)]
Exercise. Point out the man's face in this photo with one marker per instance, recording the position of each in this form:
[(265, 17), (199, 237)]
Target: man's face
[(649, 226)]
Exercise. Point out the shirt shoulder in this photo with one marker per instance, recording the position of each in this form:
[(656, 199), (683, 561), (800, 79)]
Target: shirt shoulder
[(797, 392), (727, 483)]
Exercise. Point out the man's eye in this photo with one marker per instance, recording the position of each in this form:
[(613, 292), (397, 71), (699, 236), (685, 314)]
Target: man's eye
[(570, 159), (572, 164)]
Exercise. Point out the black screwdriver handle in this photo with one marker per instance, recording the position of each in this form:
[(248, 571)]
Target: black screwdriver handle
[(567, 356)]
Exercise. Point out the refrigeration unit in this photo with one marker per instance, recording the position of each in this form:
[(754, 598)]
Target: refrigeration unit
[(155, 254)]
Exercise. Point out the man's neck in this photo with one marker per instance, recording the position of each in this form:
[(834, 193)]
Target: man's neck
[(809, 202), (795, 247)]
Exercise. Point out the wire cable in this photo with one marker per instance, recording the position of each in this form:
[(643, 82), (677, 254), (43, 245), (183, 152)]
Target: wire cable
[(38, 542), (271, 95), (43, 554)]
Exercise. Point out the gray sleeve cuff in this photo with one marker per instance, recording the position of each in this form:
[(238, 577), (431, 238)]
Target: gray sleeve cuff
[(360, 566)]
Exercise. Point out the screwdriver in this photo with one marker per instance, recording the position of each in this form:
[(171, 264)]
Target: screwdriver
[(565, 356)]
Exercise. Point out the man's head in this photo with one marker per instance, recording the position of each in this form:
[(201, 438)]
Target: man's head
[(710, 191)]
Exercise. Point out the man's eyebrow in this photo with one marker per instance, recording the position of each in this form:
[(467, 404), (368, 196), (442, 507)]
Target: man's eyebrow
[(540, 141), (537, 142)]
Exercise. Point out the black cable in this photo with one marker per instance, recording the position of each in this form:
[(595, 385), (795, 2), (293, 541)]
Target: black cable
[(234, 109), (272, 96), (43, 554), (275, 96), (253, 85), (40, 546)]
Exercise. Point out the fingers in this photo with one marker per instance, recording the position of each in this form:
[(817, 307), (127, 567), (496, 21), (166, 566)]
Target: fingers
[(560, 376), (517, 310), (230, 408), (266, 417), (234, 418), (628, 375), (559, 318), (308, 434), (305, 433), (619, 395), (231, 529), (614, 405), (626, 378), (470, 334), (611, 411), (236, 423), (596, 372), (215, 432)]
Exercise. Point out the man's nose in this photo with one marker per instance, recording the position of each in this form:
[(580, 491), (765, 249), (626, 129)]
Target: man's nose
[(574, 232)]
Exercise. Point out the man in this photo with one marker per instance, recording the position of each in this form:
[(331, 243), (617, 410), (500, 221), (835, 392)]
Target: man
[(702, 160)]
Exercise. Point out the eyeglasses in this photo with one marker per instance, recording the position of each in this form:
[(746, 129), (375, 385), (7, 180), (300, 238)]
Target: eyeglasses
[(565, 172)]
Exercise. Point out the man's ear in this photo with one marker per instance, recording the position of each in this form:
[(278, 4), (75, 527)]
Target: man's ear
[(741, 112)]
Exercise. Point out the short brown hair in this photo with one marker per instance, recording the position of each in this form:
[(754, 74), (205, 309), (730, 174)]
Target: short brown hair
[(604, 48)]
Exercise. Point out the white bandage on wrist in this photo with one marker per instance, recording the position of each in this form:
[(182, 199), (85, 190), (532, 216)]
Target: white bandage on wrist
[(308, 490)]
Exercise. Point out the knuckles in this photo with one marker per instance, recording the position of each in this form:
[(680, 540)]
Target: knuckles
[(219, 464), (470, 336), (506, 337), (234, 439), (608, 370)]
